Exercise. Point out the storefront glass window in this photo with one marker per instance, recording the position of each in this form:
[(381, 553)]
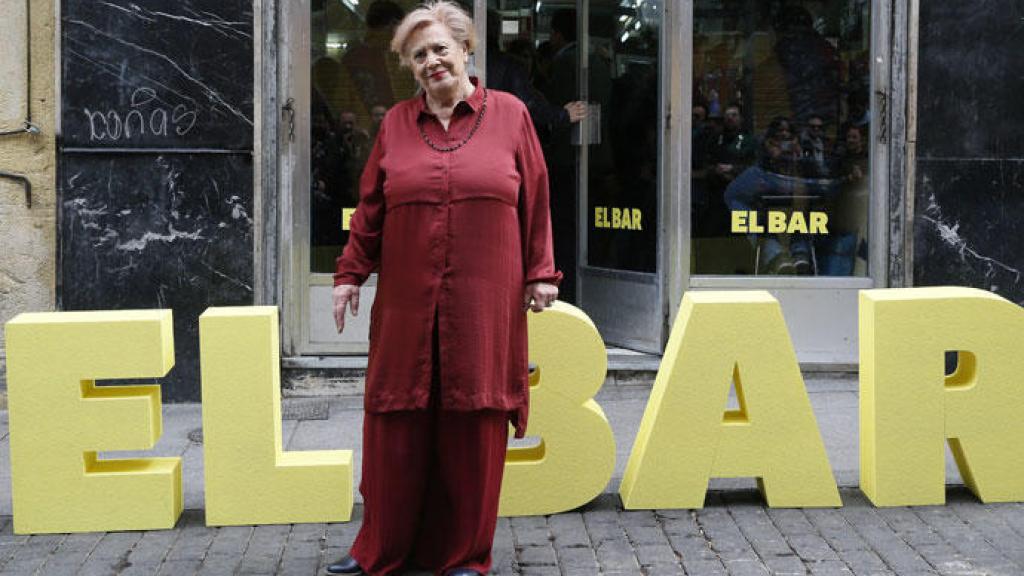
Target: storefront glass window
[(780, 160), (355, 79), (623, 151)]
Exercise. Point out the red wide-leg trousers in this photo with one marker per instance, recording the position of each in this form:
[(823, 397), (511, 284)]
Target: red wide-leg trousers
[(430, 486)]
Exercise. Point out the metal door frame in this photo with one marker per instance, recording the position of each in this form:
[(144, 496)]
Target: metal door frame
[(882, 154), (616, 290), (293, 170)]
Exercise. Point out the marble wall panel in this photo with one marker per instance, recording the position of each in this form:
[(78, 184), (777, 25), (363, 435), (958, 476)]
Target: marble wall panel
[(971, 78), (968, 228), (157, 74), (158, 231)]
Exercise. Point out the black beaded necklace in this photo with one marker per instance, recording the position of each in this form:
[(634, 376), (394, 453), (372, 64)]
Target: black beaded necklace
[(476, 125)]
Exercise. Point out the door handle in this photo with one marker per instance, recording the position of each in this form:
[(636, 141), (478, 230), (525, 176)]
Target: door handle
[(883, 115), (288, 111), (587, 132)]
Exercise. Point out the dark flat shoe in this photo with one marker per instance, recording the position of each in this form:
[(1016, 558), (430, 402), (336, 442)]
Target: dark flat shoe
[(346, 565), (463, 572)]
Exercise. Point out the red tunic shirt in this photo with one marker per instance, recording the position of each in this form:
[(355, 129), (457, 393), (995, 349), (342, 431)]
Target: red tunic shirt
[(457, 236)]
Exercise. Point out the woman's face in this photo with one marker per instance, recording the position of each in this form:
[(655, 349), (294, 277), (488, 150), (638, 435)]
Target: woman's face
[(853, 140), (784, 133), (438, 60)]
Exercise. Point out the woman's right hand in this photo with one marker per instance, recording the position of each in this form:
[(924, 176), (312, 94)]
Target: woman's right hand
[(345, 295), (577, 110)]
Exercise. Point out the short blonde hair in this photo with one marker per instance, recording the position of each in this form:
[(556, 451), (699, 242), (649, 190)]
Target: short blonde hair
[(443, 12)]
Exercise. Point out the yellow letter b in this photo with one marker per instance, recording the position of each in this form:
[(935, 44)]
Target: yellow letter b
[(576, 455)]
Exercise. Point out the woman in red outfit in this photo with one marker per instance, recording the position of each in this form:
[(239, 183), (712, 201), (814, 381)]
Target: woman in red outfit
[(453, 214)]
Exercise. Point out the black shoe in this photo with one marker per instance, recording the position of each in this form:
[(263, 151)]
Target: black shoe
[(346, 565), (463, 572)]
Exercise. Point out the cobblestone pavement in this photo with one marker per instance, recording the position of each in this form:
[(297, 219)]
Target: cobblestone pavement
[(735, 534)]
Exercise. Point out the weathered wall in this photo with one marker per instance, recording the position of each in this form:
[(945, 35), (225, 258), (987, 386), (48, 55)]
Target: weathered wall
[(969, 196), (27, 235)]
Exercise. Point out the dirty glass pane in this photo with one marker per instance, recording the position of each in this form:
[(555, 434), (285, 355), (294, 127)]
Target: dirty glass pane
[(355, 79), (533, 52), (781, 111), (623, 159)]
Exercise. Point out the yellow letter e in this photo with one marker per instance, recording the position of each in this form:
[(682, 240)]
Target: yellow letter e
[(687, 436), (59, 419), (249, 478)]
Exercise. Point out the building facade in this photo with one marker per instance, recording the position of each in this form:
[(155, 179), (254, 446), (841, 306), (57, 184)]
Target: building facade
[(194, 154)]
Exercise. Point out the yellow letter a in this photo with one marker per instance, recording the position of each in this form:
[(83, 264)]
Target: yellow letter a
[(60, 419), (250, 479), (908, 406), (683, 438)]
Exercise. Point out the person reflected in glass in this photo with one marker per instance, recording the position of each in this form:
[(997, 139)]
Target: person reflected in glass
[(729, 152), (777, 181), (376, 117), (506, 72), (816, 149), (329, 176), (840, 250), (453, 215)]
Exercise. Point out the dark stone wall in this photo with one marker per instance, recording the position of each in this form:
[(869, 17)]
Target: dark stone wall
[(155, 163), (969, 199)]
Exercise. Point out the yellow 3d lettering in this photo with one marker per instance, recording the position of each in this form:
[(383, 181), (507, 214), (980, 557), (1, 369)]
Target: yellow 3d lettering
[(60, 419), (909, 407), (686, 436), (576, 456), (249, 477)]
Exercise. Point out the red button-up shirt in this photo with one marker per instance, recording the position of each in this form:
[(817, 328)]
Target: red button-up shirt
[(455, 236)]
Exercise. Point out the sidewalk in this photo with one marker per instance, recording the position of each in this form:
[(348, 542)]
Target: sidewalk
[(734, 534)]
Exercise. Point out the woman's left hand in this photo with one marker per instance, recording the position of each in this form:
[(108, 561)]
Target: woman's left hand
[(539, 295)]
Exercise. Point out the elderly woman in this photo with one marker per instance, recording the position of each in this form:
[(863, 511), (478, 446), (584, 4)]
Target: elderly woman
[(453, 213)]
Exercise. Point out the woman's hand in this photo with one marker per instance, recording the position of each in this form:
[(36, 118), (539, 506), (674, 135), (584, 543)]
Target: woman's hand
[(539, 295), (577, 110), (345, 294)]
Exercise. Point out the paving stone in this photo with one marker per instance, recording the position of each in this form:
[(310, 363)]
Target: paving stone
[(537, 556), (829, 568), (640, 535), (615, 555), (568, 530), (656, 554), (110, 555), (263, 555), (580, 560), (30, 557), (530, 531), (704, 567)]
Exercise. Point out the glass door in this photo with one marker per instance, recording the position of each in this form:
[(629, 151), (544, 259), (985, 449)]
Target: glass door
[(590, 74), (339, 79), (788, 160), (601, 56)]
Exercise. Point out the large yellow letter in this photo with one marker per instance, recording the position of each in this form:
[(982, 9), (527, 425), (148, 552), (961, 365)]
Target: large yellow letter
[(576, 455), (59, 419), (686, 436), (249, 478), (908, 406)]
